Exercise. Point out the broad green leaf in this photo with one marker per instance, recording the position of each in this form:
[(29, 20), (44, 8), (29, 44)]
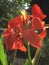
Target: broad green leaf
[(3, 59)]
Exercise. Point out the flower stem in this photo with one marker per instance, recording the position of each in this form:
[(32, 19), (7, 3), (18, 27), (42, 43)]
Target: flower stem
[(14, 55), (29, 55), (36, 57)]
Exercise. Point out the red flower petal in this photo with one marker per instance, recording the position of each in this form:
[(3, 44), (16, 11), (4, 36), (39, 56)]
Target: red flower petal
[(36, 24), (32, 37), (8, 32), (9, 40), (15, 22), (43, 34), (9, 37), (37, 12), (12, 42), (18, 44)]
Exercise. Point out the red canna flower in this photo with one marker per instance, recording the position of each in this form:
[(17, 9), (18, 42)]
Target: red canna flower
[(37, 17), (13, 41), (19, 30), (37, 12), (13, 35)]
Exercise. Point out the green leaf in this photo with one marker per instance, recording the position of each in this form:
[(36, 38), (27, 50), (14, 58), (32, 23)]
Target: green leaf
[(3, 59), (26, 62)]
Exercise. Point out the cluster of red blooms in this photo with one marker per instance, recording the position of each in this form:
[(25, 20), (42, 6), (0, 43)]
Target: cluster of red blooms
[(25, 28)]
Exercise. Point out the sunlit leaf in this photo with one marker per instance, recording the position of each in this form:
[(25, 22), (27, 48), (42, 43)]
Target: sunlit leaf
[(2, 54)]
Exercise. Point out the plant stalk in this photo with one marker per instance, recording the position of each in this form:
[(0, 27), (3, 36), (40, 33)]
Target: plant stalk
[(29, 55), (36, 57)]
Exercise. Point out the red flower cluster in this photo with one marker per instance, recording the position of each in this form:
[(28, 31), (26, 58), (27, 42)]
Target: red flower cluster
[(21, 29)]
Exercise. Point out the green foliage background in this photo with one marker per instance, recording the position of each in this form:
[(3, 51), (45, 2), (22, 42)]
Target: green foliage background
[(9, 9)]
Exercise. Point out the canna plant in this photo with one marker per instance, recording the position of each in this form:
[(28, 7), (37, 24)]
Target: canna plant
[(26, 29)]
